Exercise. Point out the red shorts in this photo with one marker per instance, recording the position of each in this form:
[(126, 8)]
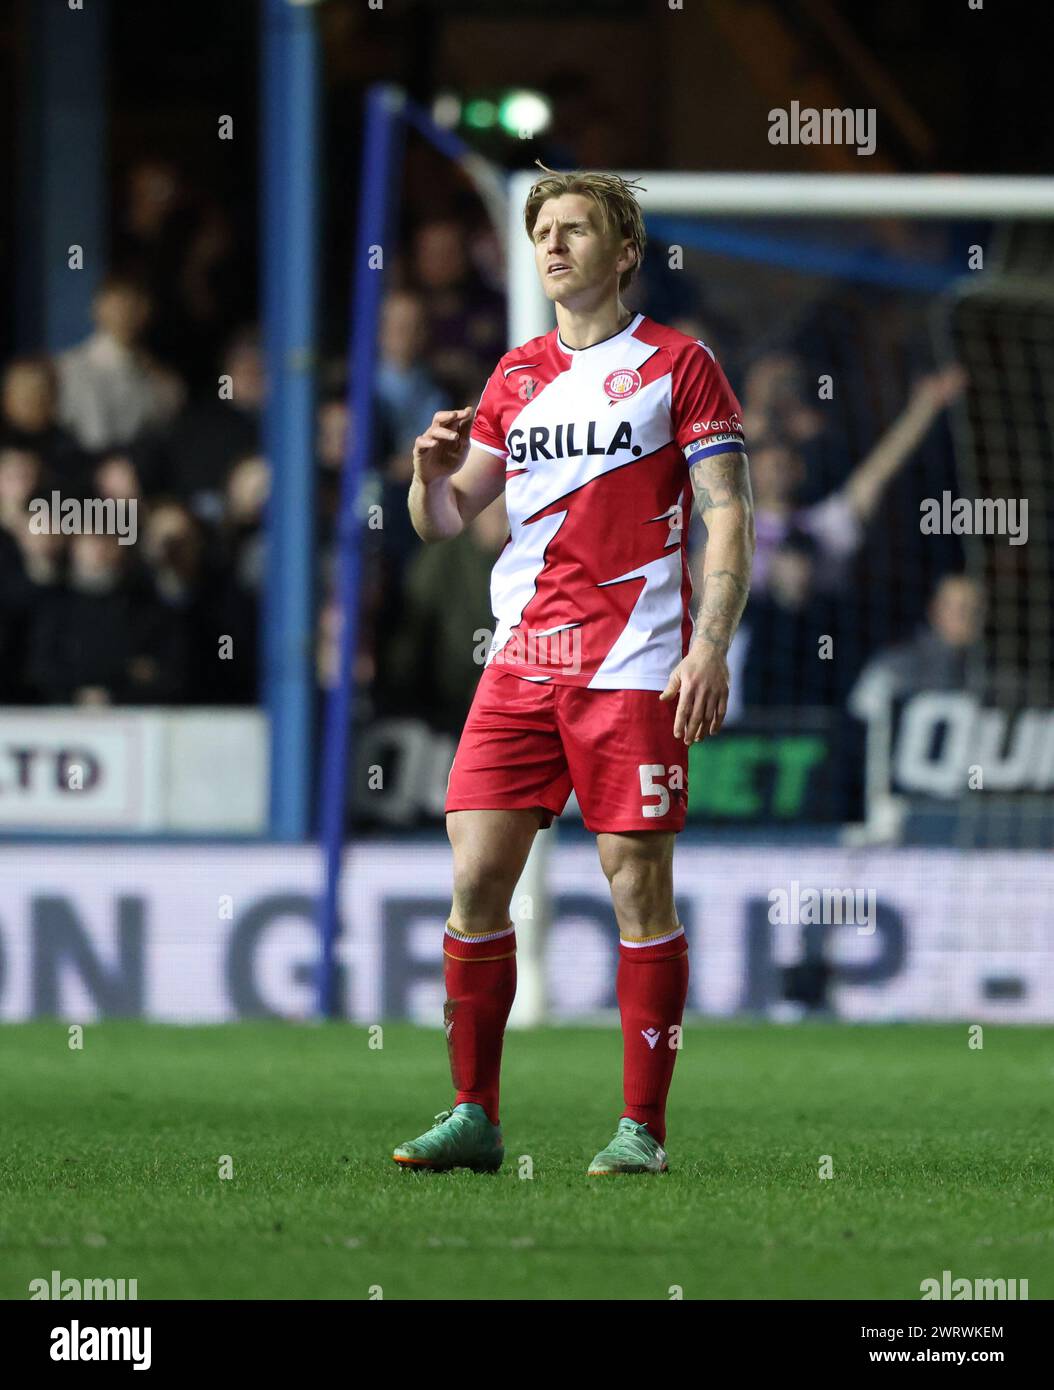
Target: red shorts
[(526, 744)]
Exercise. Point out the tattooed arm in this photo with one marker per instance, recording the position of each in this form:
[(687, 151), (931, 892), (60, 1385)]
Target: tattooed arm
[(700, 682)]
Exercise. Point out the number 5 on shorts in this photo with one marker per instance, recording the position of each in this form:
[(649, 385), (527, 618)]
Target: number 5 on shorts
[(649, 786)]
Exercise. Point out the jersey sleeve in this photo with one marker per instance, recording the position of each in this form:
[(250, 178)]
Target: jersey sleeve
[(707, 418), (486, 429)]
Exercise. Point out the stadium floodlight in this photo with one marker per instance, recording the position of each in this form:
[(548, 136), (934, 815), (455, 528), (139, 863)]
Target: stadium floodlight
[(525, 114), (481, 114), (446, 110)]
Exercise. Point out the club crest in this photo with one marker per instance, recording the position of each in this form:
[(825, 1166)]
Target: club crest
[(622, 384)]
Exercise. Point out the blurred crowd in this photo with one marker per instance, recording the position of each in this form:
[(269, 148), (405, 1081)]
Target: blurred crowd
[(160, 404), (89, 618)]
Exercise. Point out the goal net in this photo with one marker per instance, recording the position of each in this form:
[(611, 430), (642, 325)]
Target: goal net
[(890, 340)]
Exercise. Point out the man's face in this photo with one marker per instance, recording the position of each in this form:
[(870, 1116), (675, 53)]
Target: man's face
[(172, 539), (19, 476), (116, 476), (790, 577), (440, 259), (28, 398), (95, 562), (956, 611), (775, 473), (331, 438), (402, 334), (773, 381), (245, 366), (122, 312), (577, 259)]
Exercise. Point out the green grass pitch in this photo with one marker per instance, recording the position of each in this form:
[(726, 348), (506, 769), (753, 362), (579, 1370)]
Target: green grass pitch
[(943, 1158)]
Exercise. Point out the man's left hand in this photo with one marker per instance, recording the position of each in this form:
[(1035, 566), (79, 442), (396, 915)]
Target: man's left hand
[(700, 685)]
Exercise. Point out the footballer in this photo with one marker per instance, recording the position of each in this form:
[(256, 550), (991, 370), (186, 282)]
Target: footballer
[(597, 680)]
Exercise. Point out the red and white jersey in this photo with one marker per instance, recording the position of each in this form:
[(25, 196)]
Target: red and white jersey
[(593, 585)]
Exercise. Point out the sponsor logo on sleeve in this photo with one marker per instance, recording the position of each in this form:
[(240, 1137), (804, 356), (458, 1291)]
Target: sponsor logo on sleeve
[(733, 425)]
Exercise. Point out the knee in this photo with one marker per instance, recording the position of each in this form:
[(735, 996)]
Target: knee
[(639, 871), (634, 883), (481, 892)]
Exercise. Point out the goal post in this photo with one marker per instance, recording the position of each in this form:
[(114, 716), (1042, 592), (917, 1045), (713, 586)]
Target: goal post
[(786, 275), (754, 211), (389, 112), (777, 195)]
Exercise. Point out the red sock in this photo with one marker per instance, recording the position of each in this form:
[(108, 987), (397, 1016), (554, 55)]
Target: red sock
[(480, 974), (652, 986)]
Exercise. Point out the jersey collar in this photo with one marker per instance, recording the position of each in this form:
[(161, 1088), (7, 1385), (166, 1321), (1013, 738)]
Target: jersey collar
[(629, 329)]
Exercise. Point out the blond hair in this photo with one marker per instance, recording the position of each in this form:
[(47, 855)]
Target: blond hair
[(615, 197)]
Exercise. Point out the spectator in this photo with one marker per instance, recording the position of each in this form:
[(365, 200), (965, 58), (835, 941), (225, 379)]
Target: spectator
[(710, 330), (211, 433), (104, 639), (236, 584), (431, 664), (172, 552), (332, 429), (408, 398), (31, 566), (778, 651), (15, 606), (42, 557), (247, 491), (333, 421), (774, 389), (187, 585), (466, 319), (182, 246), (836, 523), (119, 475), (29, 402), (21, 479), (935, 658), (110, 389), (154, 225), (211, 290), (407, 394), (775, 396)]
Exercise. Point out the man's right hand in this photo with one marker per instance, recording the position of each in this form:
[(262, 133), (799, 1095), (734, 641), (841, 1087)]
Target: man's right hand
[(444, 446)]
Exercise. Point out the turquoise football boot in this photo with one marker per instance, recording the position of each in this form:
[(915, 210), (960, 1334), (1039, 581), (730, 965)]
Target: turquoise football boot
[(460, 1138), (632, 1150)]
